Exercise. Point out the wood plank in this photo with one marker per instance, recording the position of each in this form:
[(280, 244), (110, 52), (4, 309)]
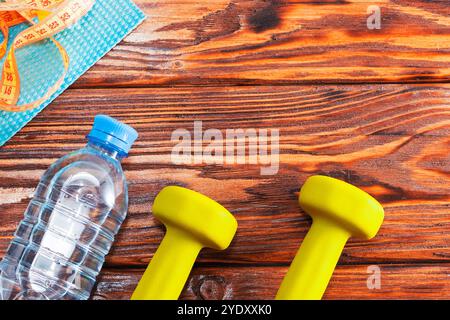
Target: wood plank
[(261, 283), (289, 41), (390, 140)]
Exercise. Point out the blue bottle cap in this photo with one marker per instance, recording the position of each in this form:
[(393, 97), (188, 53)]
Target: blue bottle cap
[(113, 134)]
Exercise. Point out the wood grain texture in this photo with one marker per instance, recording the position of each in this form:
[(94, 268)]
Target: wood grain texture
[(390, 140), (282, 41), (310, 69), (348, 282)]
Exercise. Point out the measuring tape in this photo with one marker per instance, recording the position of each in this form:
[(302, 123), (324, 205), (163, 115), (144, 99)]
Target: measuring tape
[(53, 17)]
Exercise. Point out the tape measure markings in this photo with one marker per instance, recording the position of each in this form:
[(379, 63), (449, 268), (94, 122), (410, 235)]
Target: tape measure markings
[(59, 15)]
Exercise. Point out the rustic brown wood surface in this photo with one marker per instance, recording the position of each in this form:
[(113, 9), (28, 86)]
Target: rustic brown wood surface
[(398, 282), (288, 41), (291, 60)]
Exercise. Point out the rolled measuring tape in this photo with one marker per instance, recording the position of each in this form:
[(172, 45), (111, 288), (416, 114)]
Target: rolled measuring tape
[(53, 17)]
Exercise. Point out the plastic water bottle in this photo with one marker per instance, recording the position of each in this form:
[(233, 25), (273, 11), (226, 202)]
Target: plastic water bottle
[(70, 224)]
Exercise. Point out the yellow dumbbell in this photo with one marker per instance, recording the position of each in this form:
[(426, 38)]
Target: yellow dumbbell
[(193, 221), (339, 211)]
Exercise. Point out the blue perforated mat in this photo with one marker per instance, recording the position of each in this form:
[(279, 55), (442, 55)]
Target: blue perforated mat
[(40, 65)]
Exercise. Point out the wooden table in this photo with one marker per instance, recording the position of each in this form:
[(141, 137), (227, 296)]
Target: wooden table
[(371, 107)]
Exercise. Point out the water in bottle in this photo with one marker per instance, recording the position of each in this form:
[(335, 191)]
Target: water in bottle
[(70, 224)]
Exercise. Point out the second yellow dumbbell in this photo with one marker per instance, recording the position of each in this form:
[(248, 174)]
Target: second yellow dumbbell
[(339, 211)]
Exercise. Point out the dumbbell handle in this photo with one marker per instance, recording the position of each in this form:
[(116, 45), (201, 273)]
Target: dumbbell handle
[(170, 267), (314, 263)]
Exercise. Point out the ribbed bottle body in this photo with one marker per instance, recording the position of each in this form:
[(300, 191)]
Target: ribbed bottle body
[(68, 228)]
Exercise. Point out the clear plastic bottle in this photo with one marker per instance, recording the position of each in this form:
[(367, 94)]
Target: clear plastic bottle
[(70, 224)]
